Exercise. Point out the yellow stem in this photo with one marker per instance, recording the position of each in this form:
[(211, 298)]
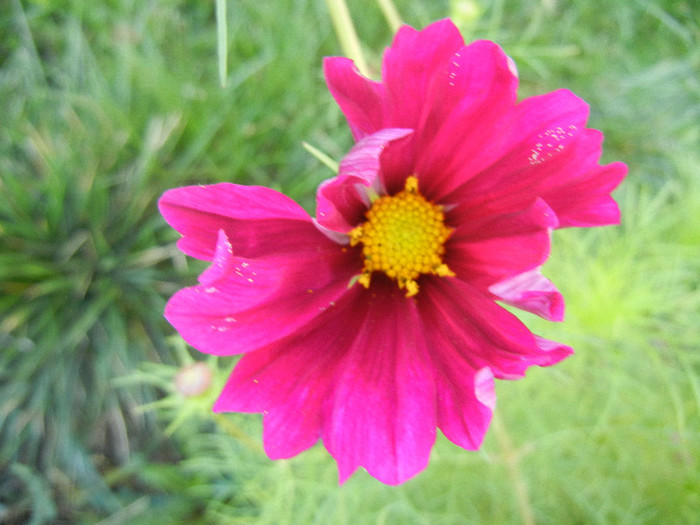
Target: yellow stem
[(222, 40), (347, 35), (391, 14)]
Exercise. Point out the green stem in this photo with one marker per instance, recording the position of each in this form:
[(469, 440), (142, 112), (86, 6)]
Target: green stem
[(344, 28), (511, 457), (232, 430), (391, 14), (321, 156)]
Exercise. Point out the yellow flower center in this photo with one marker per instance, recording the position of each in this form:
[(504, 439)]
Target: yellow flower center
[(404, 236)]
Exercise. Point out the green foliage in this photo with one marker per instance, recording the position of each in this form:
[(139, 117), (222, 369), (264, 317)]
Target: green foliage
[(106, 105), (84, 259)]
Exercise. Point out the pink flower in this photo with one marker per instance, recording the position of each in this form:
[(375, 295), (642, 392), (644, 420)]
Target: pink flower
[(377, 322)]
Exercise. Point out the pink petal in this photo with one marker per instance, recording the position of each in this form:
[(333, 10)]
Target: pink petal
[(342, 201), (532, 292), (553, 157), (223, 262), (466, 322), (410, 65), (472, 143), (466, 101), (360, 99), (244, 304), (551, 351), (397, 163), (484, 388), (466, 400), (487, 249), (407, 68), (290, 381), (495, 167), (257, 220), (585, 201), (574, 185), (358, 377), (382, 413)]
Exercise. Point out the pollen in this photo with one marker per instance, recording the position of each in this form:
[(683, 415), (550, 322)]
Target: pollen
[(404, 236)]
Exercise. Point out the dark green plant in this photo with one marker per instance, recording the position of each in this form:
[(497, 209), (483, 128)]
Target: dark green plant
[(84, 262)]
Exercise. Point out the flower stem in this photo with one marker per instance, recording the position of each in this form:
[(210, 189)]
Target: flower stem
[(511, 457), (232, 430), (321, 156), (390, 13), (222, 40), (347, 35)]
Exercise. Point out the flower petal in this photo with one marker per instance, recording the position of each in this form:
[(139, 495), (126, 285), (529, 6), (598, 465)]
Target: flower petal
[(492, 167), (486, 249), (360, 99), (574, 185), (584, 199), (365, 386), (466, 101), (407, 68), (466, 322), (382, 414), (244, 304), (258, 221), (552, 352), (291, 380), (532, 292), (466, 400), (342, 201), (411, 63), (543, 150)]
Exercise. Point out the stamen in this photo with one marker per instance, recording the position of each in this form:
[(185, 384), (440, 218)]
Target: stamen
[(404, 237)]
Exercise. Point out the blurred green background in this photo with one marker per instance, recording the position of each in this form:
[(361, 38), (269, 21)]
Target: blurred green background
[(105, 105)]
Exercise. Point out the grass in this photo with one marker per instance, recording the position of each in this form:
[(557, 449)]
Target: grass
[(105, 106)]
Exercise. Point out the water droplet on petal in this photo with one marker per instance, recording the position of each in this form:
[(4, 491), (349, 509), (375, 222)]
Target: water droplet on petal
[(550, 143)]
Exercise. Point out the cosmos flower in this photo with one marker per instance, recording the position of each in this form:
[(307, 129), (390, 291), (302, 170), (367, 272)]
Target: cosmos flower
[(378, 322)]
